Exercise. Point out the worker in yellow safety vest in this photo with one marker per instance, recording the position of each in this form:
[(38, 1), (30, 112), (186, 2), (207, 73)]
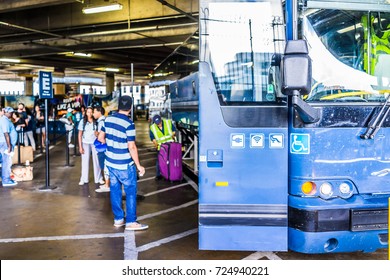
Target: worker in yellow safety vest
[(161, 131)]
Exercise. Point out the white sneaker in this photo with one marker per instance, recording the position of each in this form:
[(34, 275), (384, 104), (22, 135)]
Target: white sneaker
[(102, 189), (81, 183), (136, 226), (71, 145), (119, 223)]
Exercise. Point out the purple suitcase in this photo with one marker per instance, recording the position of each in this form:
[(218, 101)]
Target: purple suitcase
[(170, 162)]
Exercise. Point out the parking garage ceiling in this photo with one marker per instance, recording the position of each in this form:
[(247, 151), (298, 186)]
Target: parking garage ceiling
[(57, 36)]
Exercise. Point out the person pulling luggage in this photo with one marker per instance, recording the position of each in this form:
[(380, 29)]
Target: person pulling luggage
[(161, 131)]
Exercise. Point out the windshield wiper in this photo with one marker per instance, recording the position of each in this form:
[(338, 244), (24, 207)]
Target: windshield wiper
[(375, 124)]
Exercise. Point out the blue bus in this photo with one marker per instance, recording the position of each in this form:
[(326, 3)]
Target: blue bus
[(308, 171)]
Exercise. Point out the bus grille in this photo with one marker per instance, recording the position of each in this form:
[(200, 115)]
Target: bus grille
[(362, 219)]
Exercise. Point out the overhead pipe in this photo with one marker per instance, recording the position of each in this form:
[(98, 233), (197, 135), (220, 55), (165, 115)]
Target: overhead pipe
[(39, 31), (30, 29), (134, 30), (172, 17), (109, 32), (107, 48), (165, 3)]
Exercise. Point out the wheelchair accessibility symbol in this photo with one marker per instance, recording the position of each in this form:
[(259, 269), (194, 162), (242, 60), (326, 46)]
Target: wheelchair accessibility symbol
[(300, 143)]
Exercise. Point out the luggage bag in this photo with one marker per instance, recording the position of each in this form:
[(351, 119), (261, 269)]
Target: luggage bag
[(170, 161)]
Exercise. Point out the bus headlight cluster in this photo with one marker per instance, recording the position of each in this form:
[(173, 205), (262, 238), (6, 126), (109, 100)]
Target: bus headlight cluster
[(326, 190), (345, 190)]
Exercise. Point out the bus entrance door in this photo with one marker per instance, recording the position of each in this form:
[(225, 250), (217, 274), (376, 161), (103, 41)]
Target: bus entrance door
[(242, 173)]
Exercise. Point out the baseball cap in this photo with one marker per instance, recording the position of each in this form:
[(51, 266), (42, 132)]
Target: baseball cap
[(70, 110), (125, 103), (8, 110), (157, 119)]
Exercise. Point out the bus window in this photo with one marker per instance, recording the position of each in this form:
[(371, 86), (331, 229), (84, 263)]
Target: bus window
[(244, 44), (350, 51)]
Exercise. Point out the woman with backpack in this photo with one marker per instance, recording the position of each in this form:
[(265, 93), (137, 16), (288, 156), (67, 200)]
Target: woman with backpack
[(87, 134)]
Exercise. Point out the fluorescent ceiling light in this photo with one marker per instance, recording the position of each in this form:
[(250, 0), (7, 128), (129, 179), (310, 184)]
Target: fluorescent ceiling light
[(12, 60), (112, 69), (102, 9), (82, 54)]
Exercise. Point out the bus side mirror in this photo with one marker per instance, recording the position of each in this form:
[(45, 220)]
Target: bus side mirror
[(296, 69), (296, 79)]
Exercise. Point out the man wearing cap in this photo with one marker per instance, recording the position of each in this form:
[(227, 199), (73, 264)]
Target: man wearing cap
[(8, 138), (161, 131), (122, 161)]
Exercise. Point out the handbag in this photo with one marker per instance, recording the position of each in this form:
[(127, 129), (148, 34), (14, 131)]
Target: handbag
[(99, 146)]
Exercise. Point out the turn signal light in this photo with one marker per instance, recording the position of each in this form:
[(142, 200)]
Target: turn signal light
[(308, 188)]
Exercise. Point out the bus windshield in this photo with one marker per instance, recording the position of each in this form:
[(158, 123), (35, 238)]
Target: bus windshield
[(242, 42), (350, 52)]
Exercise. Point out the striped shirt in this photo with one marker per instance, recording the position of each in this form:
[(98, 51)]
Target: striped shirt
[(119, 130)]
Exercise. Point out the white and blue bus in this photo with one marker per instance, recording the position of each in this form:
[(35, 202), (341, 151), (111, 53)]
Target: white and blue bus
[(285, 165), (309, 173)]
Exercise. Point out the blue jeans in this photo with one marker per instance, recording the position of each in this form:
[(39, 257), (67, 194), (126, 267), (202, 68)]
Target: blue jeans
[(101, 158), (127, 178), (6, 163)]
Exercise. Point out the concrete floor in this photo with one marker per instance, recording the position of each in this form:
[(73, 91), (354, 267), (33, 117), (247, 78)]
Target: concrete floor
[(73, 222)]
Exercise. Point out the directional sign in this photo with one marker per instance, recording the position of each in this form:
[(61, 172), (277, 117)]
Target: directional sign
[(45, 84)]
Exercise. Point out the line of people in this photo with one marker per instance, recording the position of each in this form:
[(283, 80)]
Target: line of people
[(16, 126), (119, 159)]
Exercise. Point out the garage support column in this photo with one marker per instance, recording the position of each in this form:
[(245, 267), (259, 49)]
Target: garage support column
[(28, 86), (110, 82), (142, 94), (119, 88)]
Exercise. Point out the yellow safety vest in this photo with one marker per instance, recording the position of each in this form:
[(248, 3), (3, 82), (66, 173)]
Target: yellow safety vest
[(162, 137)]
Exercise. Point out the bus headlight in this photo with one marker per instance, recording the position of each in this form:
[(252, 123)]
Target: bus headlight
[(345, 190), (326, 190)]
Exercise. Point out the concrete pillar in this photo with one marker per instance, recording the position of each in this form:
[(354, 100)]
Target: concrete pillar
[(59, 72), (59, 88), (119, 88), (28, 86), (142, 94), (110, 82)]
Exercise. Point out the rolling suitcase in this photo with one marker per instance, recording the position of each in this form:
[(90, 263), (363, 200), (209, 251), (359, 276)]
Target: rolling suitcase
[(170, 161)]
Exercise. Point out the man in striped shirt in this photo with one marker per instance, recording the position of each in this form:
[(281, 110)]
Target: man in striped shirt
[(122, 161)]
